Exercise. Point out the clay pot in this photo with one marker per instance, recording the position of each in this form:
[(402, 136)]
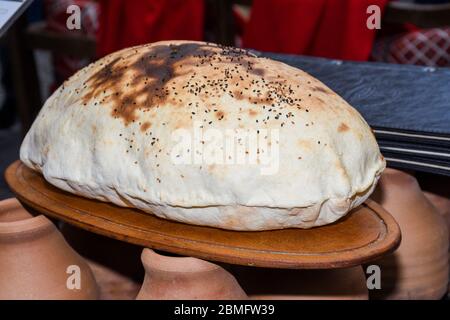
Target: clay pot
[(125, 261), (442, 205), (176, 278), (275, 284), (419, 267), (35, 260)]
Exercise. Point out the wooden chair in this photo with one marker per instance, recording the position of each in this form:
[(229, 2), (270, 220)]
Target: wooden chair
[(421, 15)]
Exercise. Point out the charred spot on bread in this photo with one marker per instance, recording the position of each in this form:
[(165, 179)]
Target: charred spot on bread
[(343, 127)]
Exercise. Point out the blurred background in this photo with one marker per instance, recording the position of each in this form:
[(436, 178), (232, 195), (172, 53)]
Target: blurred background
[(39, 51)]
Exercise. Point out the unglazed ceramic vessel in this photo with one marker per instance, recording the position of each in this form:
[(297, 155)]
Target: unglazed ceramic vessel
[(35, 260), (275, 284), (442, 204), (419, 267), (169, 277)]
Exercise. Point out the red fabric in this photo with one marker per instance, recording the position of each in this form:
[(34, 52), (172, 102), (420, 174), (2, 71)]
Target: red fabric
[(125, 23), (327, 28)]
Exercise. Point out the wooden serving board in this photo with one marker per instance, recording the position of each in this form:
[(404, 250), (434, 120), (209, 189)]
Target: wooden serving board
[(365, 234)]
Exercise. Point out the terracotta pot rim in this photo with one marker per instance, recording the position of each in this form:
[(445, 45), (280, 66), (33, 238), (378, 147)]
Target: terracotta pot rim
[(152, 260), (9, 202), (23, 225), (12, 204)]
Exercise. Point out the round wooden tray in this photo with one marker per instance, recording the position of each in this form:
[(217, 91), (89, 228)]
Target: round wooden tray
[(365, 234)]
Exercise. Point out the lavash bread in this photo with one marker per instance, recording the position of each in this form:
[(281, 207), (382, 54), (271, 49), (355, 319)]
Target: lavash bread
[(107, 134)]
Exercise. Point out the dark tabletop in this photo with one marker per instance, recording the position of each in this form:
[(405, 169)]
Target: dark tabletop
[(390, 96)]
